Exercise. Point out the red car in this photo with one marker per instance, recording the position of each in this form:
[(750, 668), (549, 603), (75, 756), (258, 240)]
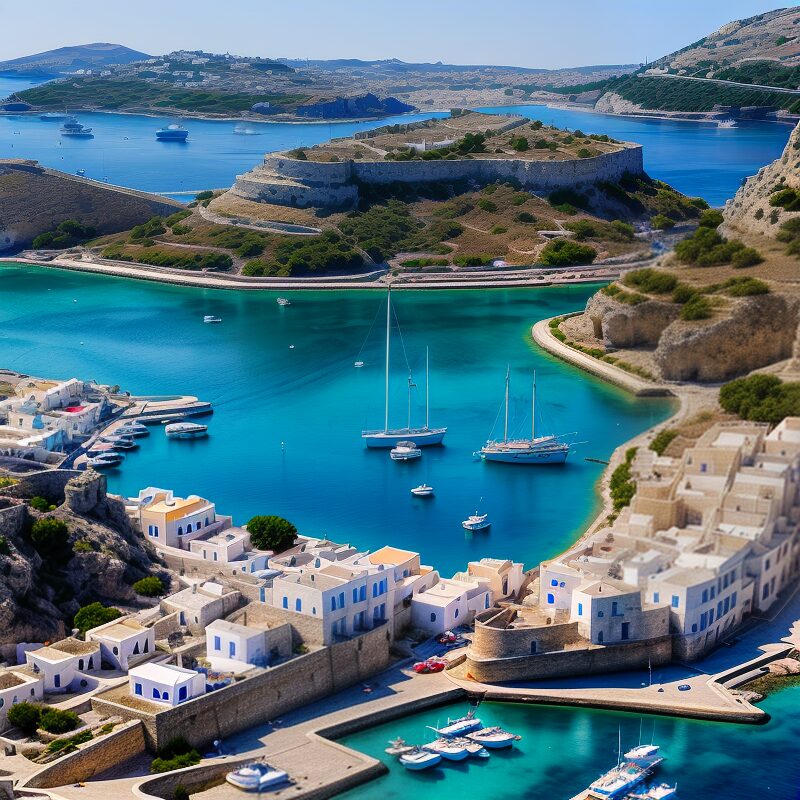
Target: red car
[(428, 666)]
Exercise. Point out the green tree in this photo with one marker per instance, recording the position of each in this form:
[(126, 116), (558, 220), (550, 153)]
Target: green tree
[(562, 252), (93, 615), (520, 144), (54, 720), (40, 504), (151, 586), (25, 716), (50, 536), (661, 222), (271, 533)]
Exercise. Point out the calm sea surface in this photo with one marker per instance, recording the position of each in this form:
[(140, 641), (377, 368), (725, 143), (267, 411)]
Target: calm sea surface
[(564, 749), (151, 339)]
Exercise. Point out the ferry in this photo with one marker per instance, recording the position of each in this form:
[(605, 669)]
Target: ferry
[(75, 129), (391, 437), (185, 430), (549, 449), (172, 133), (256, 777)]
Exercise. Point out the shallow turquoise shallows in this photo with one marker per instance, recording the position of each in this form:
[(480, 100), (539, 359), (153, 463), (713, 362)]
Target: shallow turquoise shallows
[(286, 434), (563, 750)]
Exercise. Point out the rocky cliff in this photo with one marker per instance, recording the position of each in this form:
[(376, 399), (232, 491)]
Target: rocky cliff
[(41, 590)]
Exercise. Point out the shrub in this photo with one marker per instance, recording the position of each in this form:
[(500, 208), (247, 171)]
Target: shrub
[(520, 144), (746, 257), (25, 716), (54, 720), (711, 218), (82, 546), (744, 287), (5, 547), (93, 615), (682, 293), (697, 307), (525, 217), (49, 536), (178, 216), (568, 197), (621, 484), (497, 230), (298, 153), (69, 744), (520, 199), (762, 398), (151, 586), (67, 234), (788, 199), (180, 792), (661, 222), (206, 195), (562, 252), (271, 533), (484, 204), (662, 440), (176, 754), (40, 504), (649, 280), (707, 248), (147, 230), (470, 260), (585, 153)]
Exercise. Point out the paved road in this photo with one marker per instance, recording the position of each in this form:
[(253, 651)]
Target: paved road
[(735, 84)]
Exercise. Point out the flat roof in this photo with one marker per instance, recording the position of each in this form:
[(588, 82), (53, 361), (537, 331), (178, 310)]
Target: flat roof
[(162, 673), (119, 630), (234, 627), (75, 647), (391, 555)]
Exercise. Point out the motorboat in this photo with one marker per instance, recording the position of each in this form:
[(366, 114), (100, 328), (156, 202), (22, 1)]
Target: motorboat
[(548, 449), (662, 791), (210, 319), (644, 753), (473, 748), (243, 130), (424, 436), (134, 429), (283, 301), (726, 123), (185, 430), (460, 726), (493, 738), (419, 759), (80, 172), (399, 746), (423, 490), (637, 766), (75, 129), (52, 116), (172, 133), (449, 749), (256, 777), (358, 364), (119, 442), (476, 522), (405, 451), (107, 459)]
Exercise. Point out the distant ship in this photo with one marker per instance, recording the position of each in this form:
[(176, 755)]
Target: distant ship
[(726, 123), (75, 129), (172, 133), (52, 116), (244, 130)]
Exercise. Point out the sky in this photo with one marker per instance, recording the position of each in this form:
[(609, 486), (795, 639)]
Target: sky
[(529, 33)]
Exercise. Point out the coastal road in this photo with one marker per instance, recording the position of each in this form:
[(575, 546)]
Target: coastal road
[(735, 84)]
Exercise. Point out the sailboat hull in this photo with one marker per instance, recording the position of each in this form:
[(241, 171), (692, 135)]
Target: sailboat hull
[(526, 457), (422, 437)]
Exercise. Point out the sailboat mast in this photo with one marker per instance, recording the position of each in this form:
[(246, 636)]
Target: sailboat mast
[(388, 335), (427, 389), (533, 409), (505, 426), (410, 384)]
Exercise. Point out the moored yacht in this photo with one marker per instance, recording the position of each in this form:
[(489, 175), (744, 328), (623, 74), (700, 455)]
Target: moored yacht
[(172, 133), (476, 522), (449, 749), (493, 738), (423, 490), (419, 759), (132, 428), (391, 437), (75, 129), (185, 430), (637, 765), (460, 726), (405, 451), (549, 449), (210, 319)]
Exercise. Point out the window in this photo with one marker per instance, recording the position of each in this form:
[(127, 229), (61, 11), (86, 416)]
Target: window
[(57, 681), (433, 617), (580, 609), (656, 597), (146, 648), (333, 602), (198, 525), (694, 627), (165, 695), (341, 599), (80, 664), (625, 630), (711, 617), (704, 468), (765, 592), (182, 693), (298, 604), (551, 598), (719, 609), (215, 555), (676, 601), (137, 689), (314, 610), (262, 594), (533, 647), (703, 620), (554, 582), (231, 649), (374, 589), (189, 528), (206, 522), (455, 616), (614, 608), (355, 595), (713, 592), (156, 694), (362, 593), (286, 602), (766, 564), (600, 613), (180, 530), (727, 605), (136, 650), (486, 601), (217, 643), (600, 637), (725, 581), (705, 596), (733, 600)]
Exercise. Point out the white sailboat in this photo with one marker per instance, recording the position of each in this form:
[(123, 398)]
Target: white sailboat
[(391, 437), (548, 449)]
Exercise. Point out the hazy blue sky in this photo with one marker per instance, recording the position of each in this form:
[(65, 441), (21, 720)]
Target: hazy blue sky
[(531, 33)]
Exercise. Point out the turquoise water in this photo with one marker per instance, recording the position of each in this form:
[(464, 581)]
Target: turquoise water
[(564, 749), (696, 158), (150, 339), (9, 84)]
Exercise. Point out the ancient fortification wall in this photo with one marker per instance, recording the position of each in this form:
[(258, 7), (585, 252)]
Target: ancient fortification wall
[(34, 199), (286, 181)]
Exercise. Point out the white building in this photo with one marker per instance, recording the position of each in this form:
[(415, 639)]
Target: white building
[(229, 640), (121, 640), (200, 604), (503, 577), (59, 664), (165, 683), (448, 604), (18, 684)]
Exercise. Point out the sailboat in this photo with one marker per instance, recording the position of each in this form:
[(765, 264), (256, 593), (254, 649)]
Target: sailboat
[(548, 449), (391, 437)]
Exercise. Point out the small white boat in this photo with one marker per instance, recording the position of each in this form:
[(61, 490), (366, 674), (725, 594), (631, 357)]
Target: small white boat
[(419, 759), (473, 748), (405, 451), (461, 726), (282, 301), (134, 429), (210, 319), (476, 522), (423, 490), (358, 364), (256, 777), (493, 738), (119, 442), (663, 791), (80, 172), (107, 459), (398, 747), (449, 749), (185, 430), (726, 123)]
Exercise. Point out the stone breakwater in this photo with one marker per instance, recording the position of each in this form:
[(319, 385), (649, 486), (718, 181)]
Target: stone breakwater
[(286, 181)]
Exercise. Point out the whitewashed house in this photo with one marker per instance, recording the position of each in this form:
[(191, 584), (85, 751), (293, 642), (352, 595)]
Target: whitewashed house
[(448, 604), (121, 640), (16, 685), (229, 640), (59, 663), (165, 683)]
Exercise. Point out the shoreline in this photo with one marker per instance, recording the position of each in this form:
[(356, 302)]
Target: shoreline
[(513, 278)]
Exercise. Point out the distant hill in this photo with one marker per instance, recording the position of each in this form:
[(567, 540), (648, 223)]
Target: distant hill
[(69, 59)]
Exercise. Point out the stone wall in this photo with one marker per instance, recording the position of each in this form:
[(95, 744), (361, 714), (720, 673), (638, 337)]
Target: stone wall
[(590, 660), (48, 483), (287, 181), (34, 199), (305, 630), (263, 697), (492, 640), (97, 755)]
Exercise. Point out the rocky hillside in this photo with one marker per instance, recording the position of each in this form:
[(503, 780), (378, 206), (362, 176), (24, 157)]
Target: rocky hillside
[(770, 198), (45, 581), (64, 59)]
